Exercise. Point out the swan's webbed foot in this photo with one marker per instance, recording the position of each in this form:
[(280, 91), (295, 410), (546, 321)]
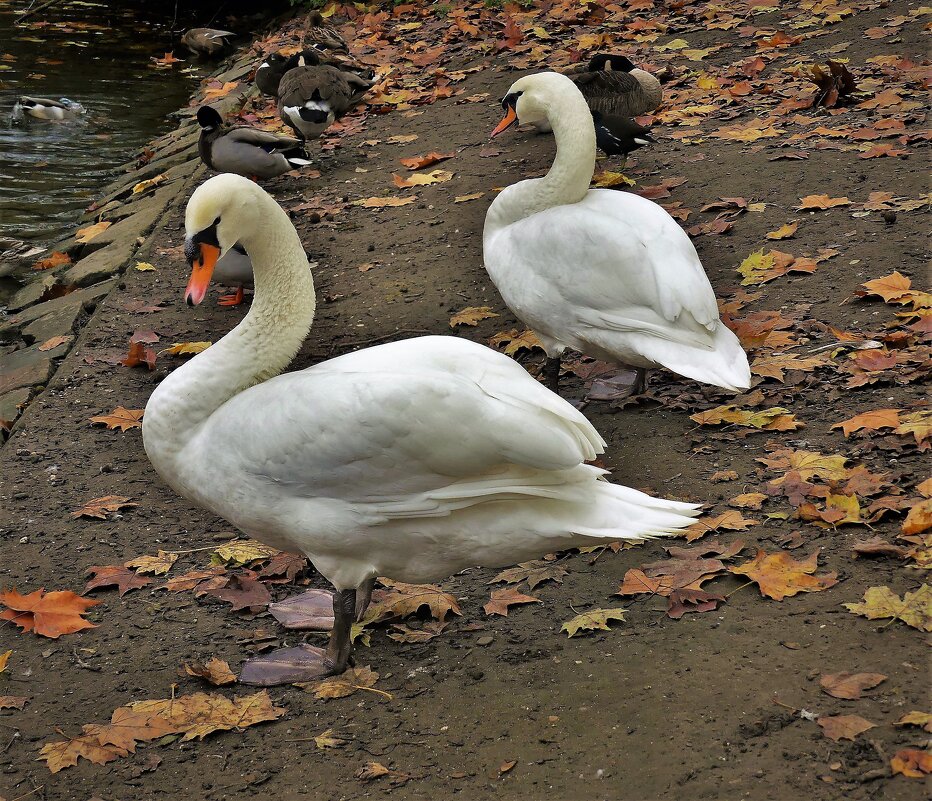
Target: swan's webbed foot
[(551, 373), (233, 299)]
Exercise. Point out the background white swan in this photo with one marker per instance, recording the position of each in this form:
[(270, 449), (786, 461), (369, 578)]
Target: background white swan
[(603, 272), (410, 460)]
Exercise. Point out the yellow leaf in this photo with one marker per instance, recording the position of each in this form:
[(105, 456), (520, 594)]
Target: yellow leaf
[(85, 235), (121, 418), (593, 620), (4, 658), (326, 740), (773, 419), (214, 670), (779, 575), (466, 198), (186, 348), (382, 202), (142, 186), (471, 316), (347, 683), (607, 179), (515, 341), (157, 565), (144, 266), (673, 44), (915, 608), (242, 552), (785, 231), (914, 718), (422, 178), (919, 518)]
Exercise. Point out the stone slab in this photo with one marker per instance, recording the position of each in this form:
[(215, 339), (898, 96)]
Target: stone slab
[(11, 401), (31, 293), (56, 324), (101, 264), (89, 296)]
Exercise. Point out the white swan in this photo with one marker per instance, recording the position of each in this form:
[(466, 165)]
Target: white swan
[(603, 272), (411, 460)]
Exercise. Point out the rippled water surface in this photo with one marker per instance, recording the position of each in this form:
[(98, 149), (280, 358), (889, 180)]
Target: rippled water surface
[(99, 56)]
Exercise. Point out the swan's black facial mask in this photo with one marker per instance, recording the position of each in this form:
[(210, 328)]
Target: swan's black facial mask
[(202, 251), (509, 104)]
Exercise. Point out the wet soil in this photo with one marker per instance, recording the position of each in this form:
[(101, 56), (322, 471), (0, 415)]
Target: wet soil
[(655, 708)]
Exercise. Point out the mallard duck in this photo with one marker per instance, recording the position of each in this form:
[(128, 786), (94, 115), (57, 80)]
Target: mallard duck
[(411, 460), (246, 151), (603, 272), (615, 87), (310, 99), (42, 108), (207, 41), (619, 136)]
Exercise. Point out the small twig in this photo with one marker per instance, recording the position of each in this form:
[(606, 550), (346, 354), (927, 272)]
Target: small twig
[(195, 550), (33, 790), (384, 336), (13, 739), (389, 696), (28, 13), (82, 663), (778, 702)]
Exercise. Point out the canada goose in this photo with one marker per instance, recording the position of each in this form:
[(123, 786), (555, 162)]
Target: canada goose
[(246, 151), (207, 41), (613, 86), (619, 135), (310, 99), (607, 273), (270, 71), (411, 460)]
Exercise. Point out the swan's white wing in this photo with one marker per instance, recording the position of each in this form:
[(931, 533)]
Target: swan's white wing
[(614, 260), (410, 428)]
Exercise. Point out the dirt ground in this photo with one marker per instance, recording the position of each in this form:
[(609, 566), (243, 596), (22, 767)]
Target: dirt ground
[(653, 709)]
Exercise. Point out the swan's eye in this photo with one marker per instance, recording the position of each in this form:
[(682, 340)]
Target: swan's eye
[(511, 99)]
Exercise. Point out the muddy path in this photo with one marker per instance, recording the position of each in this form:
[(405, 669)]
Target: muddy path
[(707, 706)]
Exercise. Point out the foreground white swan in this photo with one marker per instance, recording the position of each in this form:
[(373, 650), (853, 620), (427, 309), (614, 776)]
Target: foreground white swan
[(603, 272), (411, 460)]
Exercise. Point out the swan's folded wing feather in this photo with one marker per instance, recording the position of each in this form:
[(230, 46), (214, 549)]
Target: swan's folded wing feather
[(609, 254), (404, 437)]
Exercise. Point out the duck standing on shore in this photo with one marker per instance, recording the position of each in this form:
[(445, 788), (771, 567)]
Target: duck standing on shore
[(311, 99), (246, 151), (208, 42)]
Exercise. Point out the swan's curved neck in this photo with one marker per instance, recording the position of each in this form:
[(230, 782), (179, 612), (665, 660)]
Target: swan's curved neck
[(260, 347), (571, 173)]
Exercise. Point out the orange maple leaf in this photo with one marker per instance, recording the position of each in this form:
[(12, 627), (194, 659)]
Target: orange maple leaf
[(121, 418), (779, 575), (47, 614)]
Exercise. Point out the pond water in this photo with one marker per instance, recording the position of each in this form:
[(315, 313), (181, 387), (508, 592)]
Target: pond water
[(98, 55)]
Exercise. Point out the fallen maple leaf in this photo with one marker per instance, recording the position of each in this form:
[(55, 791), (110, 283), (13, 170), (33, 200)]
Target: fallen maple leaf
[(191, 579), (472, 315), (139, 354), (56, 259), (214, 670), (376, 770), (775, 365), (242, 591), (401, 600), (608, 179), (911, 762), (773, 419), (13, 701), (844, 727), (919, 518), (283, 568), (200, 714), (533, 573), (54, 342), (128, 727), (807, 464), (779, 575), (243, 552), (914, 609), (382, 202), (915, 718), (65, 753), (892, 288), (4, 659), (849, 685), (811, 202), (785, 231), (157, 565), (186, 348), (100, 508), (919, 424), (515, 341), (427, 632), (85, 235), (505, 597), (418, 162), (594, 619), (730, 520), (121, 418), (47, 614), (684, 599), (467, 198), (422, 178), (347, 683), (110, 575), (834, 80), (326, 740), (870, 421)]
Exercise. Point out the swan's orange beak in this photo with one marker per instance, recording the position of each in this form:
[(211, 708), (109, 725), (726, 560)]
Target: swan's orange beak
[(511, 117), (202, 268)]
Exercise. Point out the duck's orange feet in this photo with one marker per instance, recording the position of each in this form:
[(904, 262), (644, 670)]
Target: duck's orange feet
[(232, 300)]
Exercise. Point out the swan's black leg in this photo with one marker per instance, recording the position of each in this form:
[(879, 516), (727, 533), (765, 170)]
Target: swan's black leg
[(551, 373), (640, 382), (340, 646), (363, 596)]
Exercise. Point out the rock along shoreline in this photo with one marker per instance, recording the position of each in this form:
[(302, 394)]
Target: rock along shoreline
[(45, 318)]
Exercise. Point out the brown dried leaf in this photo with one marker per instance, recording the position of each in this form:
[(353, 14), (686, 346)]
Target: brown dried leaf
[(121, 418), (779, 575), (110, 575), (849, 685), (534, 573), (505, 597), (100, 508), (47, 614), (214, 670), (472, 315), (844, 727)]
